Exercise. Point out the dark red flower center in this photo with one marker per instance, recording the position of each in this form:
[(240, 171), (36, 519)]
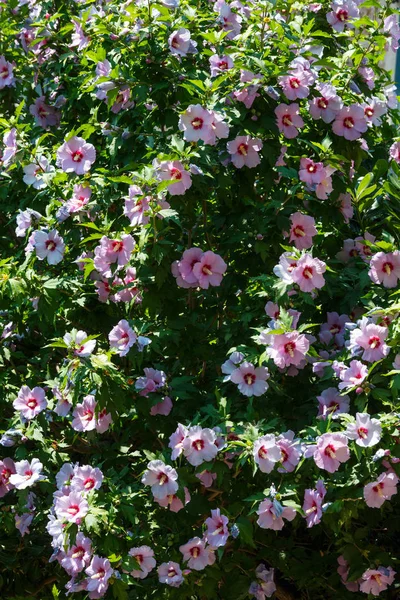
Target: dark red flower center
[(322, 103), (289, 348), (197, 123), (287, 120), (308, 272), (348, 122), (198, 445), (176, 174), (374, 342), (73, 509), (342, 15), (77, 156), (50, 245), (242, 149), (32, 403), (294, 83), (249, 378)]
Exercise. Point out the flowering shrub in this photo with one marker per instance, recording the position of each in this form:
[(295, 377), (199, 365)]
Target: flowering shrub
[(199, 300)]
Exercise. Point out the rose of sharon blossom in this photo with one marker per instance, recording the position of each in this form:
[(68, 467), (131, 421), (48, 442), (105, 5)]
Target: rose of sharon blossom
[(172, 502), (266, 452), (49, 245), (374, 109), (145, 558), (209, 270), (80, 197), (286, 266), (330, 402), (45, 116), (72, 508), (197, 555), (7, 78), (370, 338), (302, 230), (333, 330), (327, 105), (217, 529), (175, 172), (10, 147), (331, 450), (343, 570), (170, 573), (34, 171), (76, 156), (311, 172), (308, 273), (98, 573), (342, 11), (382, 489), (26, 473), (85, 418), (264, 587), (289, 120), (78, 556), (76, 341), (122, 337), (346, 207), (286, 349), (385, 268), (251, 381), (248, 94), (394, 152), (113, 251), (199, 445), (271, 514), (290, 451), (176, 441), (375, 581), (7, 468), (86, 478), (350, 122), (365, 431), (195, 123), (220, 64), (30, 402), (180, 43), (312, 505), (244, 151), (162, 478), (353, 375), (295, 85), (152, 381)]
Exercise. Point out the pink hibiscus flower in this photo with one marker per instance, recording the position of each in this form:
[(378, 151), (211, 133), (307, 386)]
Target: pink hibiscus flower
[(86, 478), (342, 11), (179, 43), (197, 554), (327, 105), (217, 529), (72, 508), (302, 230), (310, 172), (375, 581), (209, 270), (308, 273), (312, 505), (289, 120), (250, 380), (291, 451), (76, 341), (162, 478), (30, 402), (49, 245), (220, 64), (365, 431), (244, 151), (382, 489), (286, 349), (266, 452), (76, 156), (271, 514), (7, 78), (7, 468), (145, 558), (26, 473), (385, 268), (353, 375), (199, 445), (195, 123), (175, 172), (370, 338), (331, 450), (122, 337), (350, 122), (78, 555), (330, 402), (170, 573), (334, 329), (98, 573)]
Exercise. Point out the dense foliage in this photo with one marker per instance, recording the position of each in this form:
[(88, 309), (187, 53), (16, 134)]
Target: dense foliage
[(199, 300)]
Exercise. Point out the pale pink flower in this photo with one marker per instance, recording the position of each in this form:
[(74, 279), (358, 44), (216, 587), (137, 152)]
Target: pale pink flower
[(170, 573), (290, 451), (286, 266), (45, 116), (7, 78), (206, 478), (195, 123), (76, 156), (385, 268), (220, 64), (217, 529), (343, 570), (176, 173), (113, 251), (350, 122), (310, 172), (342, 11), (72, 508), (80, 197), (289, 120), (251, 381), (136, 206), (151, 382), (209, 270), (374, 109), (271, 514), (281, 160), (327, 105), (26, 473), (122, 337), (49, 245), (176, 441), (382, 489), (264, 587), (199, 445), (330, 402), (172, 502), (375, 581), (365, 431), (368, 76), (77, 342), (122, 101), (266, 452), (145, 557), (244, 151), (189, 259), (179, 43), (295, 86), (99, 572), (10, 147), (86, 478), (7, 468), (84, 415), (334, 329), (197, 554), (30, 402), (23, 521), (129, 293), (219, 129), (33, 173), (353, 375), (331, 450), (78, 38), (103, 421), (394, 152), (363, 248), (325, 187), (308, 273), (230, 21), (302, 230), (312, 505), (162, 478), (391, 26), (370, 338), (78, 555), (346, 207), (249, 94), (162, 408), (286, 349)]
